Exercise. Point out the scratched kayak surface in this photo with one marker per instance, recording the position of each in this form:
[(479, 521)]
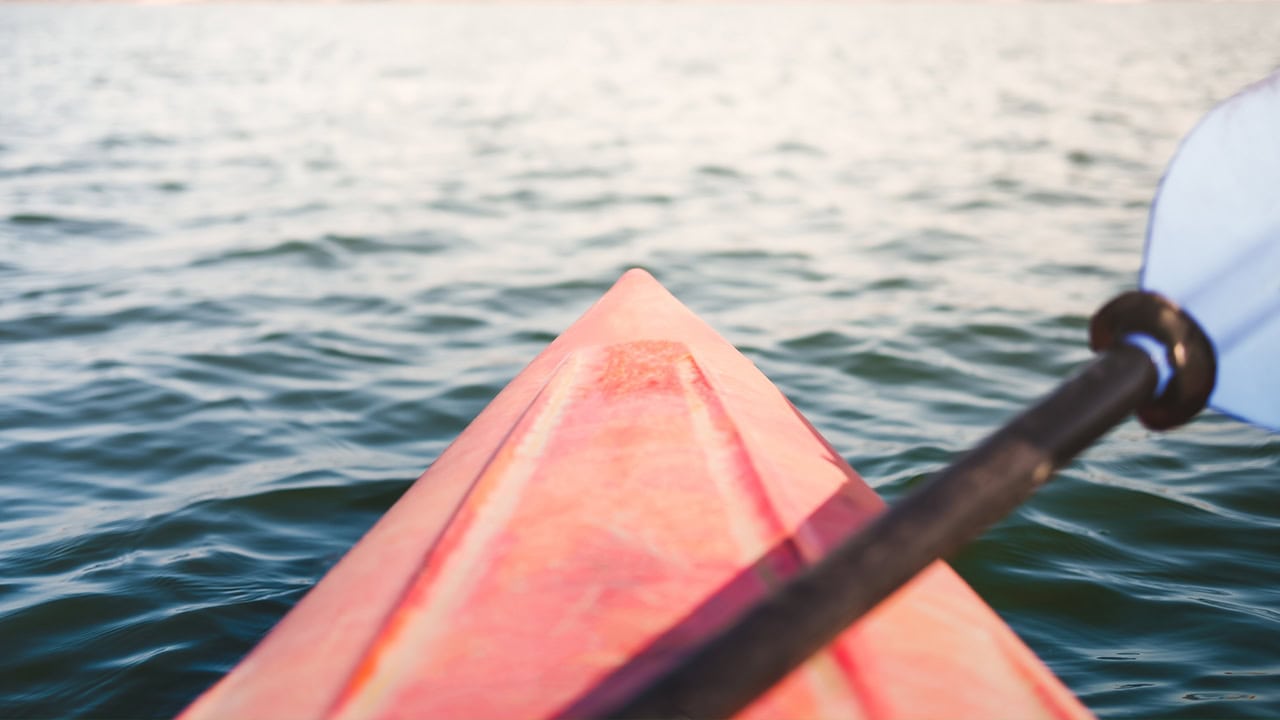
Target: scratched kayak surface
[(259, 266)]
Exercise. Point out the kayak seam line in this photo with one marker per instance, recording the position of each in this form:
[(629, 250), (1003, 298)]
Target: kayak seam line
[(706, 404), (732, 468), (534, 415)]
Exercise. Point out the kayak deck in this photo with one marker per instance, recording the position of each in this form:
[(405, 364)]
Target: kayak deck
[(637, 486)]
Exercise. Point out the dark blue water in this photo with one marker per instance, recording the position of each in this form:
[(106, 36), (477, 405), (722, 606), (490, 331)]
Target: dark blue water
[(259, 264)]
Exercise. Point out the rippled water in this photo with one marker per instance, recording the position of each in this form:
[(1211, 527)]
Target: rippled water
[(259, 264)]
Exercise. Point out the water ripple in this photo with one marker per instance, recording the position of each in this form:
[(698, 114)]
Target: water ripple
[(260, 267)]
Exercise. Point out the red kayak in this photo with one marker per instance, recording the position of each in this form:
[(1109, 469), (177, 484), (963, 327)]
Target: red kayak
[(630, 492)]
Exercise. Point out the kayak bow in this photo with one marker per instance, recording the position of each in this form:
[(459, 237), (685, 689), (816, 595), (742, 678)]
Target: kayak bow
[(628, 494)]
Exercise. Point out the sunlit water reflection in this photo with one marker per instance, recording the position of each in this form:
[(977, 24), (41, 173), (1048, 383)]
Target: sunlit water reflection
[(259, 264)]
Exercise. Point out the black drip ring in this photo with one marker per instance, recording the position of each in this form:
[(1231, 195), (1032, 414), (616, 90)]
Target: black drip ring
[(1189, 350)]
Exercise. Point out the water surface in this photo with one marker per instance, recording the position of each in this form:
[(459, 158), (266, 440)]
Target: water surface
[(260, 264)]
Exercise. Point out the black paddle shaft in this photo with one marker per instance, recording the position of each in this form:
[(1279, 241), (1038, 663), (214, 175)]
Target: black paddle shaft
[(802, 616)]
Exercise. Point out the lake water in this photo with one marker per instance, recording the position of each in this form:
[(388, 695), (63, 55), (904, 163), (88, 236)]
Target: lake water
[(259, 264)]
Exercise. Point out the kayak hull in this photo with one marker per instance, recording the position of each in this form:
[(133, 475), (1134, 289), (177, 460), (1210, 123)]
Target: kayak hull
[(628, 494)]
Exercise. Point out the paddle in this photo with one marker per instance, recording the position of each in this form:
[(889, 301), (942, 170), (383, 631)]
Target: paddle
[(1205, 328)]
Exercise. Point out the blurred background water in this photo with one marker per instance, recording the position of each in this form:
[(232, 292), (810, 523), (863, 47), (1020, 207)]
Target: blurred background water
[(259, 264)]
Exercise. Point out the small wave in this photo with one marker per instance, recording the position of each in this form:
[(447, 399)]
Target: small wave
[(606, 200), (65, 167), (1022, 105), (306, 253), (929, 245), (356, 352), (385, 425), (582, 172), (132, 140), (303, 502), (525, 299), (1086, 159), (535, 338), (1060, 269), (796, 147), (42, 225), (279, 362), (976, 205), (893, 369), (456, 206), (433, 323), (328, 251), (896, 282), (414, 243), (61, 325), (723, 172), (34, 219), (756, 254), (610, 239), (1061, 198), (824, 340)]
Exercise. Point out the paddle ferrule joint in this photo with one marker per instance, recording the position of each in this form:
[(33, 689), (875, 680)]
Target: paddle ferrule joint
[(1181, 352)]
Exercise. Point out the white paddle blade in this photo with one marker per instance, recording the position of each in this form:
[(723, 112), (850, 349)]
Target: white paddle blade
[(1213, 246)]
